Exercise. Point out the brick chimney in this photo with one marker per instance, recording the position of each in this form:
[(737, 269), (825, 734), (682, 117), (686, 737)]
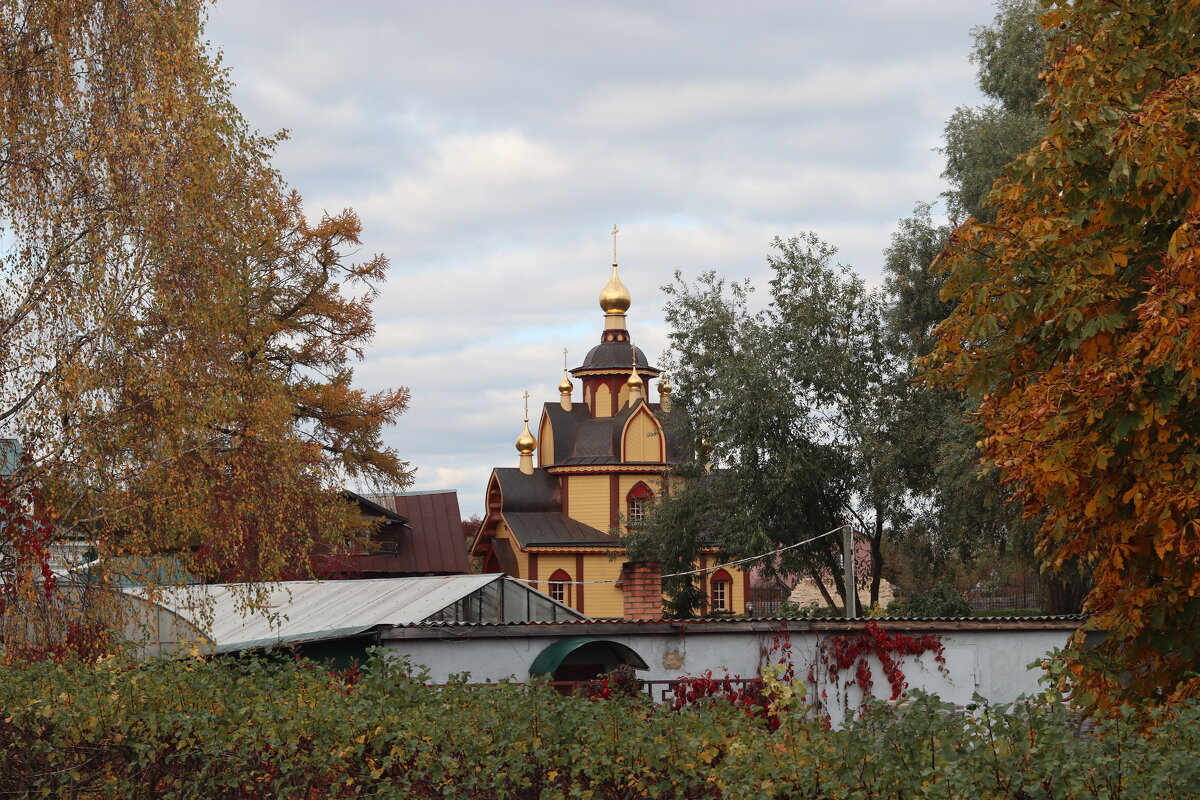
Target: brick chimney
[(641, 583)]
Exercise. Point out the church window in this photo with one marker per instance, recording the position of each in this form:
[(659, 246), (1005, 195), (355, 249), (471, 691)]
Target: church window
[(720, 586), (560, 586), (638, 503)]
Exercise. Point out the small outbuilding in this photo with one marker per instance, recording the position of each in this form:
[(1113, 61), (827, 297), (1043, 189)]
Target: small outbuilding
[(340, 619)]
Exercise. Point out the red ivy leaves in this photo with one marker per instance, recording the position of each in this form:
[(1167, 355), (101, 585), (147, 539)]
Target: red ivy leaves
[(852, 650)]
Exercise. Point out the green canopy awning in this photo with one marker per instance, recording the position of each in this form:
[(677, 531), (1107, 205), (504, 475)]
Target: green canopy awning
[(549, 659)]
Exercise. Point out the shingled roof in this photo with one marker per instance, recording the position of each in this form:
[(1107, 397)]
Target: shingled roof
[(580, 440), (543, 528), (615, 355)]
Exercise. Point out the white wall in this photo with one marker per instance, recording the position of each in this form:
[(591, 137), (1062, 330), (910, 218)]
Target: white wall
[(993, 664)]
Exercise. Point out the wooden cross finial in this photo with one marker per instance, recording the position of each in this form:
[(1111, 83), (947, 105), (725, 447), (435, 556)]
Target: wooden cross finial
[(614, 235)]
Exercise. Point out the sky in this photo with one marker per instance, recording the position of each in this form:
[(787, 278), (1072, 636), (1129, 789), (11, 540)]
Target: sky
[(490, 147)]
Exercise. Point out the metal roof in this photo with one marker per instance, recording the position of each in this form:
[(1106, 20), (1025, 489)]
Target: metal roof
[(825, 625), (436, 542), (298, 610)]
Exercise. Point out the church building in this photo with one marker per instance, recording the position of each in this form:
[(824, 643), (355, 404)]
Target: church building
[(599, 464)]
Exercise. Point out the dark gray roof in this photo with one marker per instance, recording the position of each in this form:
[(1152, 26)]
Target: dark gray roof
[(544, 528), (595, 439), (580, 440), (614, 355), (537, 492), (565, 425)]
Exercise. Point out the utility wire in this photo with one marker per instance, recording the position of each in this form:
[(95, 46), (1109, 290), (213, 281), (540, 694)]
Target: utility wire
[(713, 568)]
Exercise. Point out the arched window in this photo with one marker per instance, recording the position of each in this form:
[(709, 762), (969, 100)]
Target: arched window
[(721, 591), (560, 588), (637, 503)]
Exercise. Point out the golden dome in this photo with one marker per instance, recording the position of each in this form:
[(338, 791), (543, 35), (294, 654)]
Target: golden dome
[(635, 379), (565, 386), (615, 298), (526, 444), (664, 385)]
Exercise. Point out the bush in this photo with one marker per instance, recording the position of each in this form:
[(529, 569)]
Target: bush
[(814, 610), (940, 601), (188, 729)]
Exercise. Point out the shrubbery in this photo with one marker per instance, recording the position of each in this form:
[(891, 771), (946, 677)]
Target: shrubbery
[(940, 601), (282, 730)]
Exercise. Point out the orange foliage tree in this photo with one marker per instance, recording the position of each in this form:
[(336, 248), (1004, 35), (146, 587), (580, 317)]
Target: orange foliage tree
[(1078, 324), (175, 333)]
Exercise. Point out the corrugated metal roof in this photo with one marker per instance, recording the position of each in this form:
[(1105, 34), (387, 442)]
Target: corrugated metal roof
[(436, 543), (300, 609), (615, 626)]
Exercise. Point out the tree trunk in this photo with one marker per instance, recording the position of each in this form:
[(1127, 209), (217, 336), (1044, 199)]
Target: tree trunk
[(876, 557)]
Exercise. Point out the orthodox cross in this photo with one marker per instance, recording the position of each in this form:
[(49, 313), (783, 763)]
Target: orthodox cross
[(614, 235), (564, 359), (527, 406)]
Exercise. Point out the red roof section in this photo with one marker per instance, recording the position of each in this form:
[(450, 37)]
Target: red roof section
[(435, 544)]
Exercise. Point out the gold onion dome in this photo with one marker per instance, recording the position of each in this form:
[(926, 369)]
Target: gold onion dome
[(565, 386), (526, 444), (664, 385), (634, 378), (615, 299)]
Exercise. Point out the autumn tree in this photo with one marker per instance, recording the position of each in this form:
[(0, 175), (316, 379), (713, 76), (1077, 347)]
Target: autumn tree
[(1077, 324), (175, 334)]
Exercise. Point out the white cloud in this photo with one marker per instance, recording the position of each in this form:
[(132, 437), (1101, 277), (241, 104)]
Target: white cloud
[(490, 147)]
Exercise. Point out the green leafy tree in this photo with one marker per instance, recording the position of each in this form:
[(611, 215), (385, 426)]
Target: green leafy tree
[(789, 406), (965, 513)]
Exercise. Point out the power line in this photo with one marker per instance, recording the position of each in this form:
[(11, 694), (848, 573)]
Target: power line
[(703, 570)]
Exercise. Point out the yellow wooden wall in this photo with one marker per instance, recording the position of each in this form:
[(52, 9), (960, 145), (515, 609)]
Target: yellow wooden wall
[(603, 599), (588, 500), (545, 443), (643, 439), (602, 407)]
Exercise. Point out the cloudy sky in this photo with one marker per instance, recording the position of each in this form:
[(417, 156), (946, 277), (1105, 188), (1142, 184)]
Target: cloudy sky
[(490, 147)]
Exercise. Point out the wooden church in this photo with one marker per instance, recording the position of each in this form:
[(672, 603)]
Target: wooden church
[(599, 464)]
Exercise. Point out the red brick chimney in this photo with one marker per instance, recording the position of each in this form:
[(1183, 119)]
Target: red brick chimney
[(641, 582)]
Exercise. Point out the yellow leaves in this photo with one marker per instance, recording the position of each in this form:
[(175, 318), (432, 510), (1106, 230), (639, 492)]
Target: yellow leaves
[(1180, 238)]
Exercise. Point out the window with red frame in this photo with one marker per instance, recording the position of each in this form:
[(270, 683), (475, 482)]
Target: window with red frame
[(720, 591), (560, 586), (637, 503)]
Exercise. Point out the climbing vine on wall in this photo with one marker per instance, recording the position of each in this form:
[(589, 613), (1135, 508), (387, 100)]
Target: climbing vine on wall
[(850, 651)]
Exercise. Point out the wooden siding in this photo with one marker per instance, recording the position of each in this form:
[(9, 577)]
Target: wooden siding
[(643, 438), (603, 600), (545, 442), (547, 564), (589, 501), (603, 406)]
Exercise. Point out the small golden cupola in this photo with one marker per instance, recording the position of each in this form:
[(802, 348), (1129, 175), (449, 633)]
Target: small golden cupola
[(526, 444), (614, 298), (635, 383), (565, 386), (664, 393)]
